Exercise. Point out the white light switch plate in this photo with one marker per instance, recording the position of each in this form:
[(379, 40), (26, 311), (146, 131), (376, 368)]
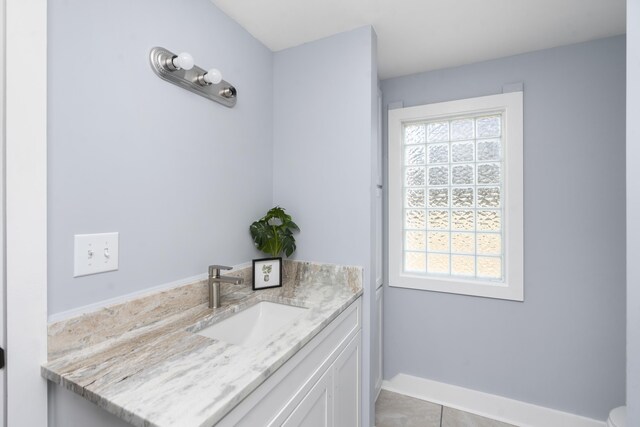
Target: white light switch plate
[(95, 253)]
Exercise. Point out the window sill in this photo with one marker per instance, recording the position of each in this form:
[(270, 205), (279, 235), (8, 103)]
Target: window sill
[(487, 289)]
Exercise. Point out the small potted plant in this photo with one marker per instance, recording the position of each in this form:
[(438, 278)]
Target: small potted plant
[(273, 235)]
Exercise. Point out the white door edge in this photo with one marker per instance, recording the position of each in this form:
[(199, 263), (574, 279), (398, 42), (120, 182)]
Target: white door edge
[(26, 210), (3, 380)]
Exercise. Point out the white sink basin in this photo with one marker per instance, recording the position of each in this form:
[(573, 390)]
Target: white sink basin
[(254, 324)]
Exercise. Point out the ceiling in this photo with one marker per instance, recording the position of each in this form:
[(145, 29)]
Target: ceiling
[(423, 35)]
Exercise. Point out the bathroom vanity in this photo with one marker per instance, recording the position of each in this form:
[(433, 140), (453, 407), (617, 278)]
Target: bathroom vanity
[(320, 384), (167, 359)]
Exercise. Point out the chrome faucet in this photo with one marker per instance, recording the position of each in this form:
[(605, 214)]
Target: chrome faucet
[(214, 283)]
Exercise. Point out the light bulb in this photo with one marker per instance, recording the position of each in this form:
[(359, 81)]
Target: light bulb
[(213, 76), (183, 61)]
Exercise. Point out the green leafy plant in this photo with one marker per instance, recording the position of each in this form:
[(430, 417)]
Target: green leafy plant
[(273, 233)]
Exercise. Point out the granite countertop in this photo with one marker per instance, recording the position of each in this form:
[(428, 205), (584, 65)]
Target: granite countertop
[(139, 361)]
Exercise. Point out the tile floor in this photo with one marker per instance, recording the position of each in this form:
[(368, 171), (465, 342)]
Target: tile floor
[(398, 410)]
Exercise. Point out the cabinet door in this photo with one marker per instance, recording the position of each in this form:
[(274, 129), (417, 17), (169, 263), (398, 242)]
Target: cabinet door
[(378, 237), (378, 341), (379, 199), (346, 388), (315, 409)]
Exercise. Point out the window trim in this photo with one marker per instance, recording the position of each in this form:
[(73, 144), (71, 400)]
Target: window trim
[(512, 288)]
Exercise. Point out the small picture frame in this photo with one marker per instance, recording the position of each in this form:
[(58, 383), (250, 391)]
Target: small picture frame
[(267, 273)]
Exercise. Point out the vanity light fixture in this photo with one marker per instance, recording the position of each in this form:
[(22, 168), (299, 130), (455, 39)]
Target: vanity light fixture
[(182, 71), (211, 77), (183, 61)]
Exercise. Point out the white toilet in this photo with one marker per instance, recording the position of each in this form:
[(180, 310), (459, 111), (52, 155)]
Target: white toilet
[(618, 417)]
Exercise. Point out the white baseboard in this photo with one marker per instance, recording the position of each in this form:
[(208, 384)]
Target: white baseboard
[(484, 404)]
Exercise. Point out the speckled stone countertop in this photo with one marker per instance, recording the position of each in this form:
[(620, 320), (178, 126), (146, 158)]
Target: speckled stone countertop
[(139, 361)]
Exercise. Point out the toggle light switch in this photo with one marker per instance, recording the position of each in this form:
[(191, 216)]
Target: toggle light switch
[(95, 253)]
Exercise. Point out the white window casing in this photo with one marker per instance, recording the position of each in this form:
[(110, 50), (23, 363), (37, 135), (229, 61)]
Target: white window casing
[(435, 262)]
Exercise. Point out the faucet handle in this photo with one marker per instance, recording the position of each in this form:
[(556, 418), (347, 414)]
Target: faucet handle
[(217, 269)]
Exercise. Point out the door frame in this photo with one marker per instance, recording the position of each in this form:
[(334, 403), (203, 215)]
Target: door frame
[(25, 204), (3, 342)]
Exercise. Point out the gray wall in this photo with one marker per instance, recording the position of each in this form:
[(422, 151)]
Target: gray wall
[(633, 212), (324, 115), (180, 177), (564, 346)]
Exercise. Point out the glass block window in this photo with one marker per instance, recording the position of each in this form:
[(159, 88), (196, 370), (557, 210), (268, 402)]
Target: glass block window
[(456, 197), (453, 184)]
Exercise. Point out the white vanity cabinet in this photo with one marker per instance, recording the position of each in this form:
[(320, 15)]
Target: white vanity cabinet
[(346, 386), (318, 387), (335, 399), (315, 408)]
